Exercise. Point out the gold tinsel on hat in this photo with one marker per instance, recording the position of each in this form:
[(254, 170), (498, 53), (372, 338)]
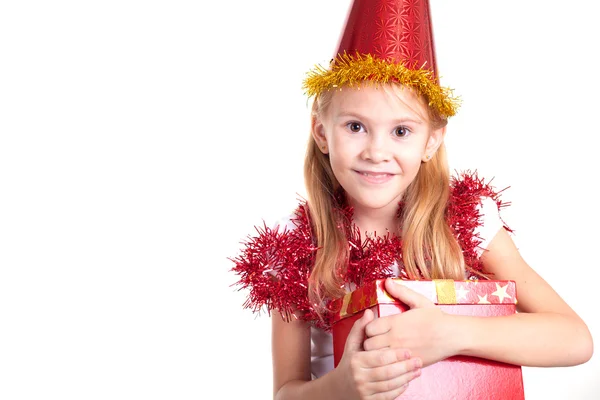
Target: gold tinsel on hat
[(351, 71)]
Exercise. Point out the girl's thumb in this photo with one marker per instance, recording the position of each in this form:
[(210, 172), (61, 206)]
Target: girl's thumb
[(356, 337), (405, 295)]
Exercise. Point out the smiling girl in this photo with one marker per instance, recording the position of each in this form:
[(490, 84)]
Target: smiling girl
[(381, 203)]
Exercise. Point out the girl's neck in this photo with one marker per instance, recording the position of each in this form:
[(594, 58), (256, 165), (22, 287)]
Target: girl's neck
[(376, 222)]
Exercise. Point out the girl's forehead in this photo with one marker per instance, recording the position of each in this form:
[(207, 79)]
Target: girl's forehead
[(389, 97)]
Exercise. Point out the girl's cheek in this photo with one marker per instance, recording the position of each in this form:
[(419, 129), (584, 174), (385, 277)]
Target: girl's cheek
[(409, 153)]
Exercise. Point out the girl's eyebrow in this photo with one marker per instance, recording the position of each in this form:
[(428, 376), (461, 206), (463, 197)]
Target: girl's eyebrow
[(345, 114)]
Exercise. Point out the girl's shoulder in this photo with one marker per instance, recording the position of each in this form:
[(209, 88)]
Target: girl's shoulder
[(292, 220)]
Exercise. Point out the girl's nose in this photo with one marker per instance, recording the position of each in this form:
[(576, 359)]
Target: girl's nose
[(376, 150)]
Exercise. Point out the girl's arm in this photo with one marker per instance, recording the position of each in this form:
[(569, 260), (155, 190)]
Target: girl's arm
[(545, 332), (291, 363), (382, 374)]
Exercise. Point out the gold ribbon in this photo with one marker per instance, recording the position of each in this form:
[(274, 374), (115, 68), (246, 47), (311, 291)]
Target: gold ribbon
[(345, 302), (444, 288)]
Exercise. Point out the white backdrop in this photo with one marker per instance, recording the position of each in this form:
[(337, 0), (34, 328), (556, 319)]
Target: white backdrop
[(142, 141)]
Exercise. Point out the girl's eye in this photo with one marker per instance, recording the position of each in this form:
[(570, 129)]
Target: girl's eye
[(354, 127), (401, 131)]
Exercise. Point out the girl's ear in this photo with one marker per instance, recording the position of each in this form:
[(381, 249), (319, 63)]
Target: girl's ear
[(436, 138), (318, 133)]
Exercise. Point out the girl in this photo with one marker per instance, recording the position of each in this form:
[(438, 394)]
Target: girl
[(381, 204)]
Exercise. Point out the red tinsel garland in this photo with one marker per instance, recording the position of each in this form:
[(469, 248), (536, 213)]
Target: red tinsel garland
[(275, 264), (467, 190)]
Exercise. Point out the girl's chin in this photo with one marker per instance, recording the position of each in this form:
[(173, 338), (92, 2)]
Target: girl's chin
[(374, 205)]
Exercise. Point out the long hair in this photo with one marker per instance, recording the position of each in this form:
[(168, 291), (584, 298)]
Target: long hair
[(429, 249)]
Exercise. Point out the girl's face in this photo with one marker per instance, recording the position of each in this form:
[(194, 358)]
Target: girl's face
[(376, 138)]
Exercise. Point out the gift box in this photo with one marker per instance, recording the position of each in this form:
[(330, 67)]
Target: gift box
[(458, 377)]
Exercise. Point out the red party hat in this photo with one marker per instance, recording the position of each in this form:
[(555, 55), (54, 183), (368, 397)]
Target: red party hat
[(386, 41)]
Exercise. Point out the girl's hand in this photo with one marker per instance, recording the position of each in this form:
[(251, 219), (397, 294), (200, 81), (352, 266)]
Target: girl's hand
[(375, 375), (424, 329)]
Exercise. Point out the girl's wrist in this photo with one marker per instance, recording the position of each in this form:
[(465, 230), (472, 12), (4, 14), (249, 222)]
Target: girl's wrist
[(456, 336), (339, 384)]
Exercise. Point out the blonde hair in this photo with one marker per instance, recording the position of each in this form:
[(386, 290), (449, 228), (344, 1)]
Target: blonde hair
[(429, 249)]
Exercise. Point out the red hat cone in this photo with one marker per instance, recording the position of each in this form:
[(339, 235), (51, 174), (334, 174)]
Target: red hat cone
[(398, 31), (386, 41)]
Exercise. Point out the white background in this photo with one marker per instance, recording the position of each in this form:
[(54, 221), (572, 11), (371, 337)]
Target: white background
[(142, 141)]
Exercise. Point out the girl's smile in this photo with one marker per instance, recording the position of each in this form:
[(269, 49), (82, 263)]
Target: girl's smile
[(375, 177)]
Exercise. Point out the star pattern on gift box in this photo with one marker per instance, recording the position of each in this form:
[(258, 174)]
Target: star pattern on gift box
[(362, 302), (461, 293), (496, 294), (483, 300), (501, 292)]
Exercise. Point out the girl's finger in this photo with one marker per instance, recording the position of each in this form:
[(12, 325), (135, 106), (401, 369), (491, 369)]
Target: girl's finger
[(356, 336), (392, 388), (413, 299), (392, 371), (377, 342), (379, 358), (378, 326)]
